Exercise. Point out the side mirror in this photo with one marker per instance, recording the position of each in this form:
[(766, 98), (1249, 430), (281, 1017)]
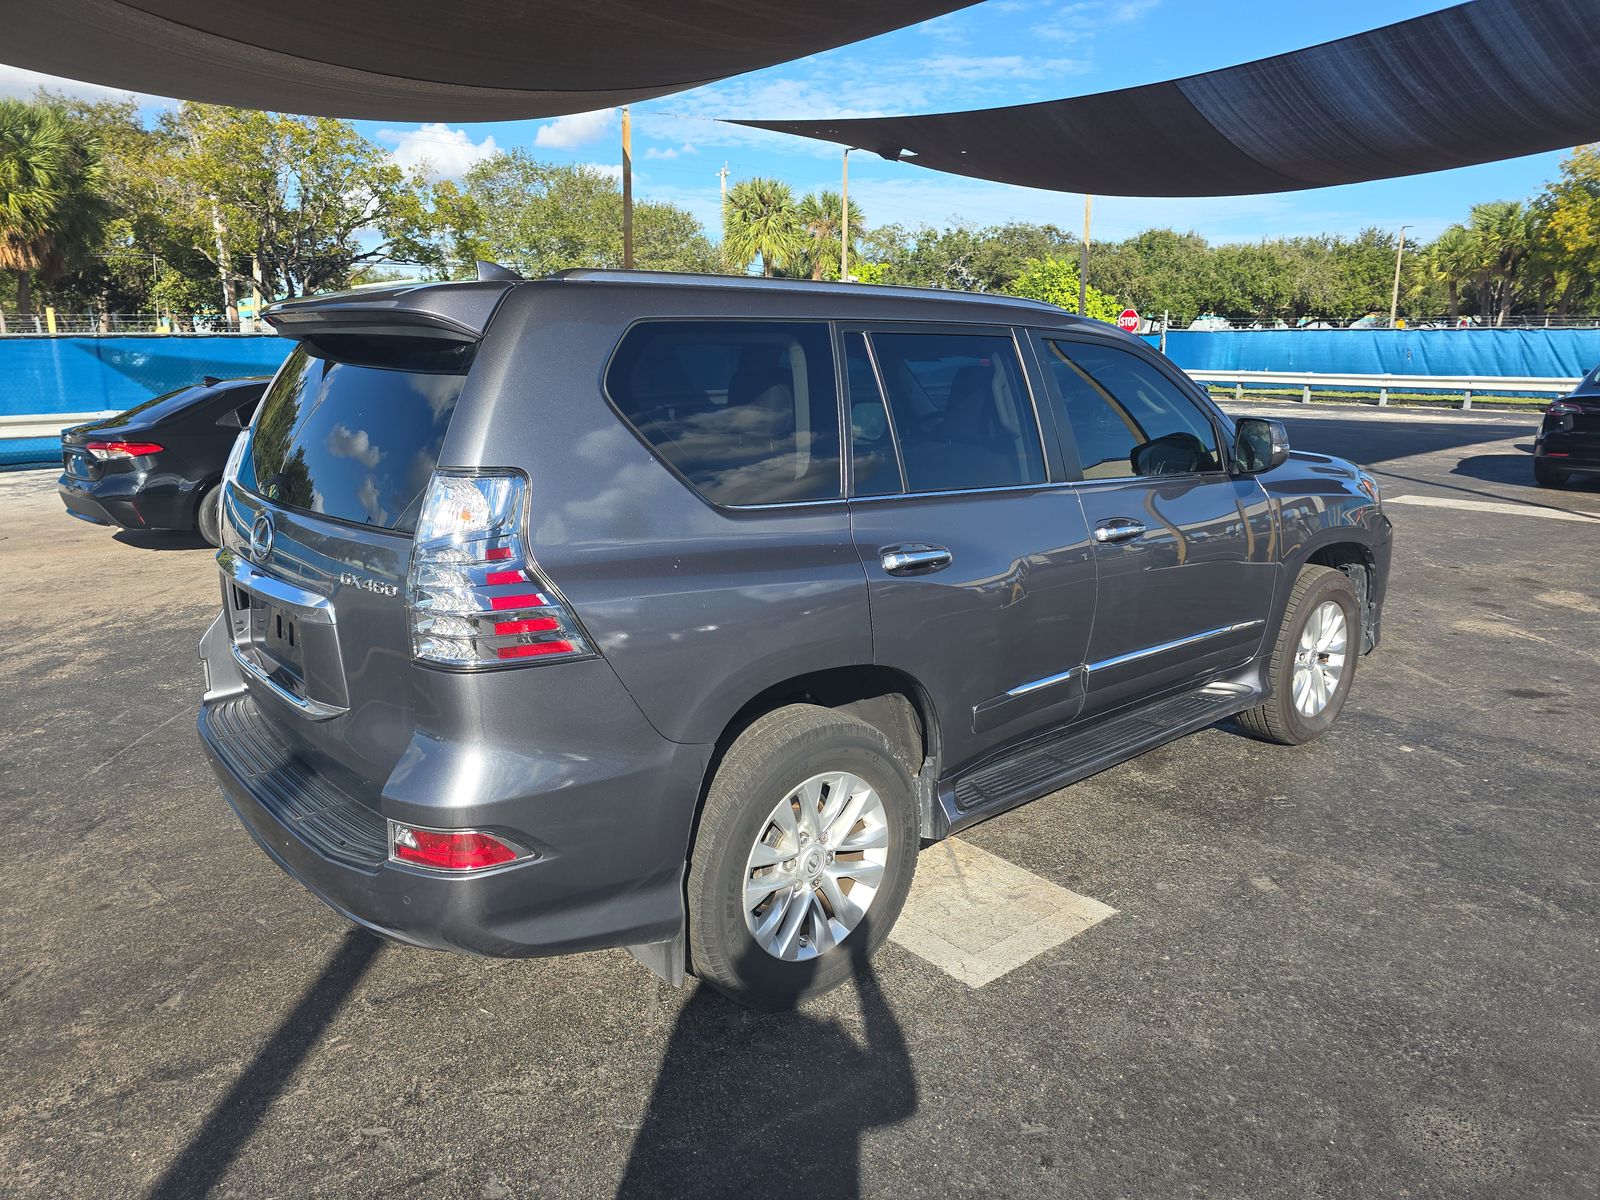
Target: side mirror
[(1259, 444)]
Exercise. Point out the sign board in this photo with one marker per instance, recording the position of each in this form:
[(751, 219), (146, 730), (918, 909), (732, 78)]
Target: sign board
[(1128, 322)]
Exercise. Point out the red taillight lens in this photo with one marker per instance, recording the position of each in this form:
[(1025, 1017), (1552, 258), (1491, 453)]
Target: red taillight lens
[(476, 599), (104, 450), (464, 851)]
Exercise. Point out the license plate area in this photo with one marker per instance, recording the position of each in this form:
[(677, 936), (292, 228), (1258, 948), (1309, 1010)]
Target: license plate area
[(290, 645), (279, 642), (78, 465)]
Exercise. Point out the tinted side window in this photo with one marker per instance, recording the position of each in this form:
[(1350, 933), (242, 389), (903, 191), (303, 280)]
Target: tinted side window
[(875, 468), (961, 410), (1126, 417), (746, 411)]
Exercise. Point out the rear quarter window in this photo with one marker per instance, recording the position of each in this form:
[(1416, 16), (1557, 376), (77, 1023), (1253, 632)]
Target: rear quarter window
[(354, 442), (746, 411)]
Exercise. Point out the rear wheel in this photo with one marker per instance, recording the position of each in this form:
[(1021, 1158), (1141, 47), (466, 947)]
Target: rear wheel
[(208, 515), (803, 858), (1313, 660), (1547, 476)]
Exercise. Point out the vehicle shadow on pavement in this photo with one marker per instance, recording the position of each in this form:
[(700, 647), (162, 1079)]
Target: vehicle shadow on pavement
[(214, 1146), (1508, 468), (750, 1104), (160, 540)]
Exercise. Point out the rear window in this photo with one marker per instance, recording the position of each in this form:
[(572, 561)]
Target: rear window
[(746, 411), (354, 442)]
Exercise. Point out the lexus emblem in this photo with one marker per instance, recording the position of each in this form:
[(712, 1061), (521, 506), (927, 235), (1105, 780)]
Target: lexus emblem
[(261, 537)]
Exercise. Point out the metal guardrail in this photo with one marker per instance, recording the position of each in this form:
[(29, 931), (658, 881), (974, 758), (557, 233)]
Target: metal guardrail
[(1494, 385), (38, 425)]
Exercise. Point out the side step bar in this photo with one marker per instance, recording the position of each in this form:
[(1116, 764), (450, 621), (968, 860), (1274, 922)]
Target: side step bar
[(1052, 762)]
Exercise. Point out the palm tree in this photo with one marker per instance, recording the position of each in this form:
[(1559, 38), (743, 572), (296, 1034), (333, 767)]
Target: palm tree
[(820, 215), (761, 220), (51, 211), (1453, 260), (1504, 233)]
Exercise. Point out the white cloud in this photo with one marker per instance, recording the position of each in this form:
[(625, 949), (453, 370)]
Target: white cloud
[(442, 152), (670, 151), (344, 442), (1074, 22), (578, 129), (21, 84), (1002, 66), (614, 170)]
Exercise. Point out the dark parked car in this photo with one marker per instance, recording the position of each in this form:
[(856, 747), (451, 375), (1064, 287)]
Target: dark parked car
[(676, 612), (1569, 436), (158, 466)]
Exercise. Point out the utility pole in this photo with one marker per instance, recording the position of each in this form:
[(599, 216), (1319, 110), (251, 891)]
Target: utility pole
[(1083, 258), (844, 219), (722, 176), (1394, 297), (627, 191)]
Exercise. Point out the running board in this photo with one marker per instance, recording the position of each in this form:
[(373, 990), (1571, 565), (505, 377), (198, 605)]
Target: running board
[(1046, 764)]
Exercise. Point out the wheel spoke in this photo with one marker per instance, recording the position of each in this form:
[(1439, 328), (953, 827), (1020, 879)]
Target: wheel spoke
[(845, 909), (770, 856), (868, 874), (873, 837), (821, 927), (765, 930), (841, 788), (845, 819), (783, 818), (788, 936), (810, 794), (762, 886)]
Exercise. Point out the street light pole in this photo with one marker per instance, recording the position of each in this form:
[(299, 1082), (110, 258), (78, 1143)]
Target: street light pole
[(627, 190), (844, 218), (1083, 258), (1394, 296)]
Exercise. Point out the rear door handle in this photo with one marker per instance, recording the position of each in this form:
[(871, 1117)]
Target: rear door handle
[(1118, 529), (914, 558)]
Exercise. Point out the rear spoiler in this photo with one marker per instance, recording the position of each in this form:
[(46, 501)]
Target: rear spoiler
[(453, 312)]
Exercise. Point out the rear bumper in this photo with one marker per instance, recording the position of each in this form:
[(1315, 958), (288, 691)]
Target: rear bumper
[(1578, 451), (125, 501), (610, 850)]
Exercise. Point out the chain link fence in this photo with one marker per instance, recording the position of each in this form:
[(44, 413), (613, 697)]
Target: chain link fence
[(94, 323)]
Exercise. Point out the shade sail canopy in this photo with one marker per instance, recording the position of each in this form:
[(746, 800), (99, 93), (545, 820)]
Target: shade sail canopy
[(423, 60), (1483, 81)]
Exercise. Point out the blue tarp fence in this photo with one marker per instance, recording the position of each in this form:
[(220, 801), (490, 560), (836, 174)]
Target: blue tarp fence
[(1538, 352), (44, 375)]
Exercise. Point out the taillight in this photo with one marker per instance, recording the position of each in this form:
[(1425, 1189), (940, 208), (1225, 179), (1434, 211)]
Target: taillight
[(105, 450), (449, 850), (1563, 408), (476, 600)]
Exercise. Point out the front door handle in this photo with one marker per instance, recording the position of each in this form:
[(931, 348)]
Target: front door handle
[(914, 558), (1118, 529)]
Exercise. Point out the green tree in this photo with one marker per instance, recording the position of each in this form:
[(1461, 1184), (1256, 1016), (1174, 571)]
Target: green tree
[(50, 207), (760, 219), (290, 195), (821, 215), (1055, 281), (540, 217)]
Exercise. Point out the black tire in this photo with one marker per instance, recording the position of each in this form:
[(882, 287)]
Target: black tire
[(1278, 719), (768, 761), (1547, 476), (208, 515)]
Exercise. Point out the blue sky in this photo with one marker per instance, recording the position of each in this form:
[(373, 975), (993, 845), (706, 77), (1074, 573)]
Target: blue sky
[(997, 52)]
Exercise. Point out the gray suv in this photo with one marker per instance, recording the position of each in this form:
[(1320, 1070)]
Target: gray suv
[(676, 612)]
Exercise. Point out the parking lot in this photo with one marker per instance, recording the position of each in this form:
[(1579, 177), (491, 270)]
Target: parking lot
[(1371, 964)]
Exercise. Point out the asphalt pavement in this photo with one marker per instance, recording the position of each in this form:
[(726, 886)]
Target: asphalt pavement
[(1368, 966)]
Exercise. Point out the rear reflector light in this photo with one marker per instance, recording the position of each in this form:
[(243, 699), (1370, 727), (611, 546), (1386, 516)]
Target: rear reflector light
[(105, 450), (476, 599), (465, 850)]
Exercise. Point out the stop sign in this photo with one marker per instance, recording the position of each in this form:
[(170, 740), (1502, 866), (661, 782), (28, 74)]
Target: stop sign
[(1129, 320)]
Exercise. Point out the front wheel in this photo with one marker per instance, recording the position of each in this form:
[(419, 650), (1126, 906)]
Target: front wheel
[(803, 858), (1313, 660)]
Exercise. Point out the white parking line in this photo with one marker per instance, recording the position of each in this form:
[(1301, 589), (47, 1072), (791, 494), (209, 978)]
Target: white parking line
[(1494, 506), (976, 916)]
